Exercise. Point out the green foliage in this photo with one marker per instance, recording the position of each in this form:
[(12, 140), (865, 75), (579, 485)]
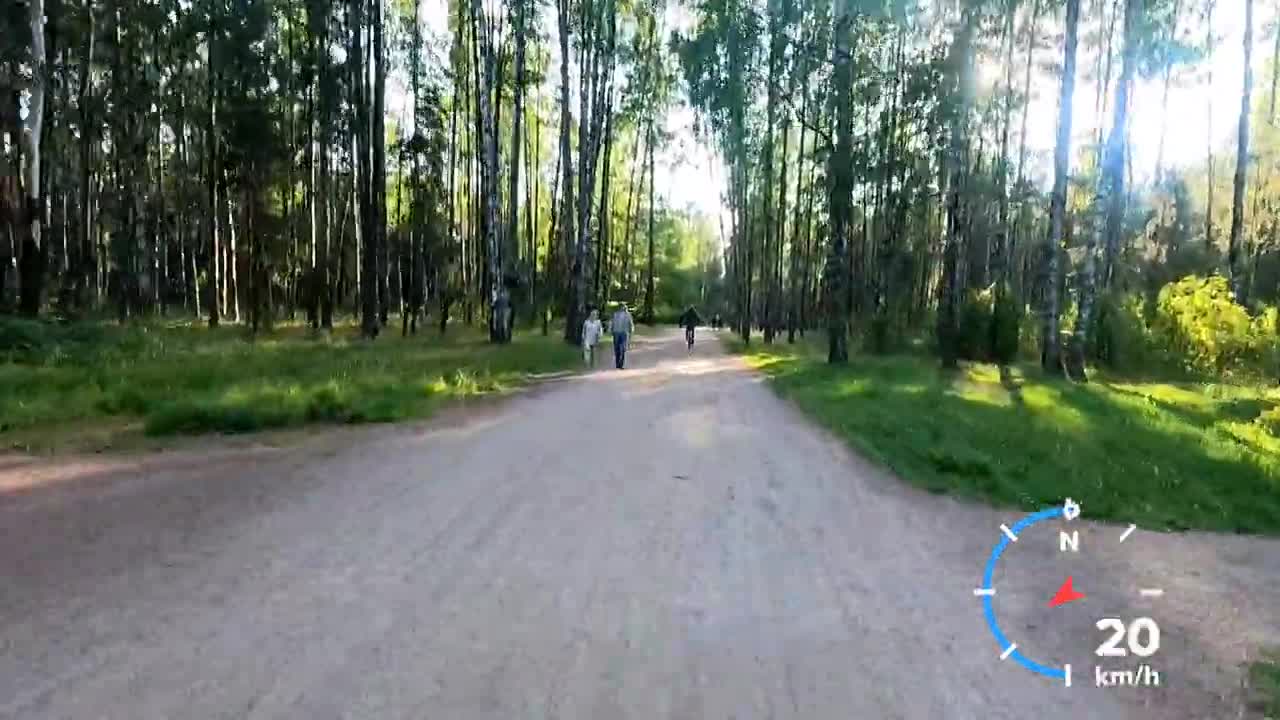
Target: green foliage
[(1269, 420), (1121, 338), (186, 379), (1029, 332), (974, 339), (1006, 321), (1264, 341), (989, 326), (1162, 455), (1264, 684), (1198, 322)]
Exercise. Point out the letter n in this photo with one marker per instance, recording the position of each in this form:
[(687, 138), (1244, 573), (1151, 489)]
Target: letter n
[(1071, 540)]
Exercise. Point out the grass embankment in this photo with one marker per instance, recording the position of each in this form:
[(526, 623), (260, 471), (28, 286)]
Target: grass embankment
[(1264, 680), (184, 379), (1171, 455)]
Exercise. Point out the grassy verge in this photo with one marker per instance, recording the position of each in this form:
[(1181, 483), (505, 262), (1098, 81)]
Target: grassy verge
[(1264, 681), (1164, 455), (182, 379)]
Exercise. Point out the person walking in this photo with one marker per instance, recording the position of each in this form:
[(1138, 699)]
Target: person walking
[(621, 325), (591, 332)]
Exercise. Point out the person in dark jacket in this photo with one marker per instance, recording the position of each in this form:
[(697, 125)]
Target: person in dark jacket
[(690, 320)]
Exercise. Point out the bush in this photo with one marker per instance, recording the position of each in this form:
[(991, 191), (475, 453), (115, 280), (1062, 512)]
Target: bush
[(974, 337), (1121, 338), (1029, 332), (1006, 320), (1269, 420), (1264, 342), (990, 326), (1198, 322)]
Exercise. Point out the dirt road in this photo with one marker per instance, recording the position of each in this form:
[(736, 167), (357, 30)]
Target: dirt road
[(671, 541)]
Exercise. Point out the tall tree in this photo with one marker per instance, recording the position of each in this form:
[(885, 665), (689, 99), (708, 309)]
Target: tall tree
[(567, 206), (840, 186), (1050, 344), (1106, 213), (378, 174), (517, 118), (957, 167), (34, 251), (362, 161), (1210, 44), (1235, 260), (499, 305)]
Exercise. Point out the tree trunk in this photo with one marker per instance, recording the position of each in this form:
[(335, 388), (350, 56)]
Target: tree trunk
[(1022, 142), (498, 305), (1107, 211), (794, 299), (366, 244), (840, 190), (1050, 353), (87, 270), (212, 213), (604, 221), (771, 105), (1235, 251), (517, 117), (32, 254), (1210, 42), (1235, 254), (957, 221), (378, 176), (531, 205), (649, 280), (1117, 142), (571, 333), (628, 220), (999, 258)]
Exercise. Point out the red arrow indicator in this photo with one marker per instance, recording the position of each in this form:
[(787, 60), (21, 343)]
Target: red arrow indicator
[(1065, 594)]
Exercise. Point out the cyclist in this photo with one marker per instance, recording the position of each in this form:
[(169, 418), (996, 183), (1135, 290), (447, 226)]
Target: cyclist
[(690, 320)]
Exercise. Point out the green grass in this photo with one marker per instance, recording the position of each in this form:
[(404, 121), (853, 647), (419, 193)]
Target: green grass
[(1163, 455), (1264, 679), (184, 379)]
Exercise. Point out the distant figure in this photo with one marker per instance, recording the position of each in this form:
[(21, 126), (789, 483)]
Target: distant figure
[(591, 332), (715, 321), (690, 320), (621, 325)]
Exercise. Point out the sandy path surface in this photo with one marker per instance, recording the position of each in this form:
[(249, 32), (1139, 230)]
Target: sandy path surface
[(671, 541)]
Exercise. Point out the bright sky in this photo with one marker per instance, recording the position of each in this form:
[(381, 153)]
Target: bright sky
[(689, 174), (1187, 128)]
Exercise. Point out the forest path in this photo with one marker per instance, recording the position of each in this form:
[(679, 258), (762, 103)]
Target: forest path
[(671, 541)]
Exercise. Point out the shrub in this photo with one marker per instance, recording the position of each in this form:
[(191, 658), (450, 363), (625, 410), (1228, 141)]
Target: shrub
[(1029, 333), (974, 337), (1269, 420), (1121, 338), (1198, 322), (1264, 342), (1006, 320)]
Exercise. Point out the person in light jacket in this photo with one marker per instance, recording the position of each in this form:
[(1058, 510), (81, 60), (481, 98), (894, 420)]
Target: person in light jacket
[(591, 332), (621, 325)]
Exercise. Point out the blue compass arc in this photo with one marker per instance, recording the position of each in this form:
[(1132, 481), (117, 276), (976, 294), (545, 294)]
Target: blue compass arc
[(1008, 649)]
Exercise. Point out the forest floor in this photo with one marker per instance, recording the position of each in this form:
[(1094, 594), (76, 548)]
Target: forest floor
[(669, 541), (93, 387), (1160, 454)]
